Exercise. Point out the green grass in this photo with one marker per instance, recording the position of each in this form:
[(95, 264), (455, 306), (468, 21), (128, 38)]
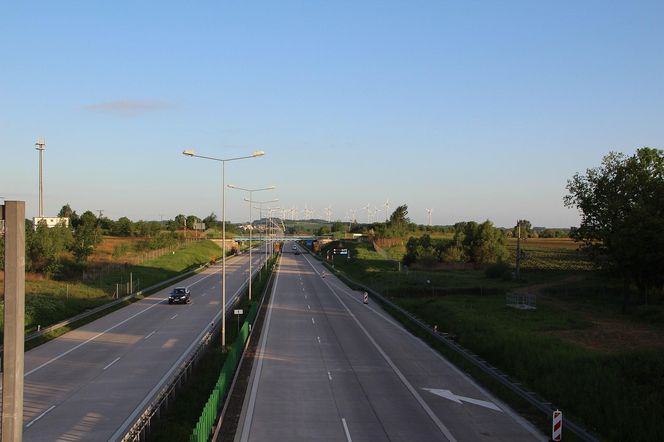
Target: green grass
[(619, 394), (600, 389), (383, 274), (49, 302)]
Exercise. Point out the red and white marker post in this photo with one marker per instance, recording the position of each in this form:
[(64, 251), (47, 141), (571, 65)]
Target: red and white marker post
[(557, 428), (366, 298)]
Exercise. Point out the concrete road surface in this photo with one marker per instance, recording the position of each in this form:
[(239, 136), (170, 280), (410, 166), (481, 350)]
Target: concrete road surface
[(89, 384), (331, 368)]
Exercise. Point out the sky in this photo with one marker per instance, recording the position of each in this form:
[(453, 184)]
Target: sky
[(475, 109)]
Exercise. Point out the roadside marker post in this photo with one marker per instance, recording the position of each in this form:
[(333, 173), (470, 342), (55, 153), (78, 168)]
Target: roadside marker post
[(557, 428), (366, 298)]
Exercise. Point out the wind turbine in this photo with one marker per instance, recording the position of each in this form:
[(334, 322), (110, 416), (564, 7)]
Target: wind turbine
[(387, 209), (328, 212), (353, 217), (368, 209), (429, 211)]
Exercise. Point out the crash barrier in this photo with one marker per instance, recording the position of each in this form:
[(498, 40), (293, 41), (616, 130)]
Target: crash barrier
[(138, 427), (213, 406), (165, 283), (500, 377)]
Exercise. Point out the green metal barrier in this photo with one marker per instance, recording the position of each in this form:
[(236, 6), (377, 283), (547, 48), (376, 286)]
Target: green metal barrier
[(211, 410)]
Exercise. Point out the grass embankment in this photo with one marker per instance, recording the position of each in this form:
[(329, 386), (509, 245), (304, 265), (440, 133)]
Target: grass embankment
[(576, 350), (48, 302), (178, 421)]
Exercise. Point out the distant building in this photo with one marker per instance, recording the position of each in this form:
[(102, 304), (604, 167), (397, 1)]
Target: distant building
[(50, 221)]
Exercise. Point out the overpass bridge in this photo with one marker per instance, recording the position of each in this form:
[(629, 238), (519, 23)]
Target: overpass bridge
[(279, 238)]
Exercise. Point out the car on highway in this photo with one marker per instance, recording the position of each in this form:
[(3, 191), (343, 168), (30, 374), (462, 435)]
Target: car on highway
[(180, 295), (294, 247)]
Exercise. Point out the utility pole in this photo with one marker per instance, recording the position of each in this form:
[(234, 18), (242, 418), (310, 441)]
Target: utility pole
[(41, 146), (518, 248), (13, 212)]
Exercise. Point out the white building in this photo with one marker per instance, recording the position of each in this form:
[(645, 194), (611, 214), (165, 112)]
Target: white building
[(50, 221)]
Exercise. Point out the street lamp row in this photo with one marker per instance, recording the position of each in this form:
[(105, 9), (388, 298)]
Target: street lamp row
[(223, 161)]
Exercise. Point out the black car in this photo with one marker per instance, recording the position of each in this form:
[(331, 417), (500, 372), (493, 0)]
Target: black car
[(180, 295)]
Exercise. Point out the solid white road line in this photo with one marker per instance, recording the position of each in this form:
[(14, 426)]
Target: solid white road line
[(343, 421), (345, 290), (246, 427), (39, 417), (174, 316), (443, 429), (151, 333), (329, 375), (312, 321), (114, 361), (50, 361)]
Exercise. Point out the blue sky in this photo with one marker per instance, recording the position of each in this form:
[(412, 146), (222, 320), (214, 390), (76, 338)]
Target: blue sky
[(477, 109)]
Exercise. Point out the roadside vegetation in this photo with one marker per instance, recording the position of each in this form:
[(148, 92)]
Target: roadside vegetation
[(594, 344), (49, 301)]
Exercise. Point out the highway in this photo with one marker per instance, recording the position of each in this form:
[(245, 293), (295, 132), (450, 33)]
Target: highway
[(92, 382), (330, 368)]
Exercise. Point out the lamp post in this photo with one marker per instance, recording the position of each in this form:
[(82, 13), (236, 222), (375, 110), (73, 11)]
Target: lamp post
[(260, 208), (271, 228), (251, 191), (190, 153)]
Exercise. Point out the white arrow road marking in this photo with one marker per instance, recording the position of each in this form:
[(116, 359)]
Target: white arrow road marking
[(447, 394)]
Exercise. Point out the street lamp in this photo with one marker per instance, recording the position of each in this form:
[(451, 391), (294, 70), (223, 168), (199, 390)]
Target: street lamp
[(251, 191), (260, 208), (190, 153)]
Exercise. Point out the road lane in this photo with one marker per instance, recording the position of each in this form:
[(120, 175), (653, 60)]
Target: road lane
[(332, 368), (85, 384)]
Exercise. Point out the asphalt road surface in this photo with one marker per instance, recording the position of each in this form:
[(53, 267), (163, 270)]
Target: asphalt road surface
[(91, 383), (330, 368)]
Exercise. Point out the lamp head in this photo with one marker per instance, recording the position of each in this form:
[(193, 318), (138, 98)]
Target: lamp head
[(188, 152), (258, 153), (232, 186)]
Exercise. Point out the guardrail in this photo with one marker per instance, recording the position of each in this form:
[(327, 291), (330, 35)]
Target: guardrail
[(138, 426), (203, 429), (205, 424), (108, 305), (529, 396)]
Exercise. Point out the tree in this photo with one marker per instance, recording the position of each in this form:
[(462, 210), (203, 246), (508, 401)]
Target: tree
[(210, 220), (44, 247), (483, 243), (337, 226), (399, 218), (181, 221), (525, 228), (191, 220), (87, 236), (622, 217), (123, 227)]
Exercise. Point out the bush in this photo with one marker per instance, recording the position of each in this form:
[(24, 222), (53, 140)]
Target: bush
[(501, 269)]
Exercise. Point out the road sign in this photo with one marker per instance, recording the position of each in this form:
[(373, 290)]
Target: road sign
[(557, 428), (238, 311), (199, 226)]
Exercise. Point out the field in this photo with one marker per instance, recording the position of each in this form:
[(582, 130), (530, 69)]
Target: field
[(578, 350)]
